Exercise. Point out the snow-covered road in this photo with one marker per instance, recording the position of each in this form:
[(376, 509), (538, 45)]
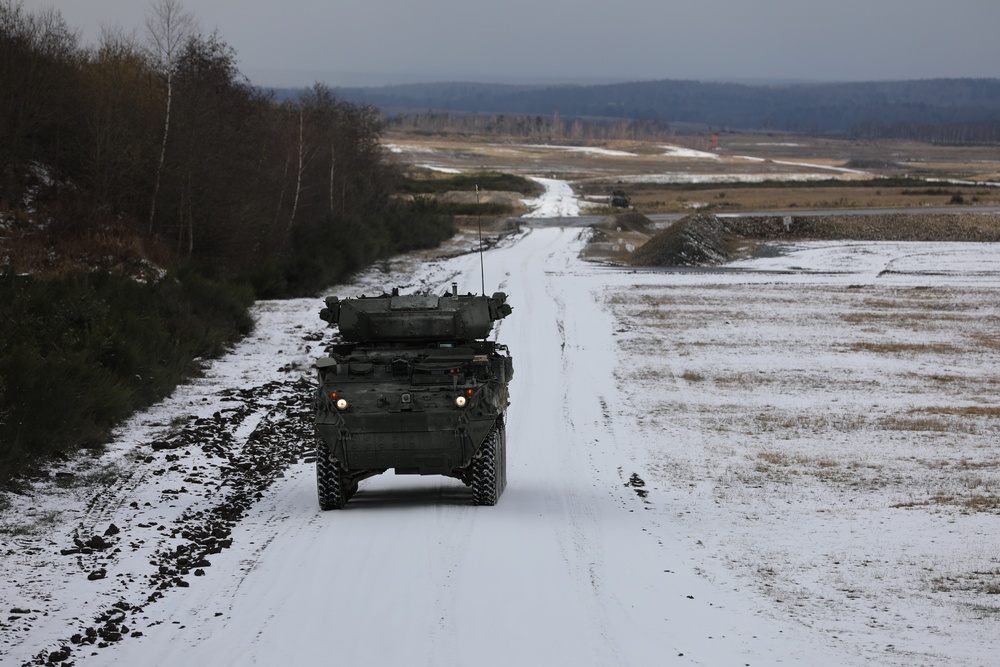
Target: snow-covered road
[(557, 201), (571, 568)]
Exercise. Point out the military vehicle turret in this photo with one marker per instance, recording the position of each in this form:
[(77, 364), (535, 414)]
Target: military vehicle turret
[(414, 387)]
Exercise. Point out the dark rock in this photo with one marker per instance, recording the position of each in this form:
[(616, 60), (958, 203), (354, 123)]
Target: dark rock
[(160, 445), (60, 655), (98, 543)]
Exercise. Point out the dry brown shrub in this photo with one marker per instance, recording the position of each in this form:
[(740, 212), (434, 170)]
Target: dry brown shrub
[(964, 411), (917, 424), (775, 458), (980, 503), (897, 348), (990, 341), (71, 236)]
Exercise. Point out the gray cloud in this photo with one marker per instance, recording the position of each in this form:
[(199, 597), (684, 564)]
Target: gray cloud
[(298, 41)]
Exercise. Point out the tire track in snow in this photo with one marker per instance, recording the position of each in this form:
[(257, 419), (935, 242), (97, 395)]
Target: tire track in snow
[(543, 276)]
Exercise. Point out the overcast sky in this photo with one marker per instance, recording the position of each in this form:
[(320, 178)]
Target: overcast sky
[(344, 42)]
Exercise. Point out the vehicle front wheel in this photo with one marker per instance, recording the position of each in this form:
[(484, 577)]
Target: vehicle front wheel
[(329, 479), (489, 468)]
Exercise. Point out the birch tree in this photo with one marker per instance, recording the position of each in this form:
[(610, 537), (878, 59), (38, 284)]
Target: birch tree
[(168, 27), (301, 168)]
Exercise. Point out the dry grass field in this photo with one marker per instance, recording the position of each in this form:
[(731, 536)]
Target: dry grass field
[(745, 172)]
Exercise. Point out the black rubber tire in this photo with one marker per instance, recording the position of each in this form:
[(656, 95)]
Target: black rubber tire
[(503, 454), (489, 469), (329, 480)]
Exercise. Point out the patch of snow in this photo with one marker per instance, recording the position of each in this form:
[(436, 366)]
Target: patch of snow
[(843, 170), (954, 181), (582, 149), (43, 173), (684, 177), (680, 151), (887, 261), (408, 148), (443, 170)]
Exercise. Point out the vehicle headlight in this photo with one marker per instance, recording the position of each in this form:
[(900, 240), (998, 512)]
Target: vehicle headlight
[(341, 403), (460, 401)]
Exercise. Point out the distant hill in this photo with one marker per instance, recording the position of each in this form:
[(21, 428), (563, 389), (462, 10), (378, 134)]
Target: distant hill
[(948, 110)]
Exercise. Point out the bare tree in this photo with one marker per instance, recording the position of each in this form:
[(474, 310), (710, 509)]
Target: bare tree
[(298, 172), (119, 102), (324, 108), (168, 27)]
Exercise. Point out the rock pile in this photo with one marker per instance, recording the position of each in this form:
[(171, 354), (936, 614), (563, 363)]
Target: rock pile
[(231, 474), (696, 240)]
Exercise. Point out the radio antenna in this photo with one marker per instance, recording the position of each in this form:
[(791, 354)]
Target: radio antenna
[(479, 220)]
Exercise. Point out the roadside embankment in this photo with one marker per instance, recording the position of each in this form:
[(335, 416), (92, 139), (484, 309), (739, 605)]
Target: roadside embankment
[(705, 239)]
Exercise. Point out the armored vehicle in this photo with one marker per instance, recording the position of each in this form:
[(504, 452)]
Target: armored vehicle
[(619, 199), (415, 387)]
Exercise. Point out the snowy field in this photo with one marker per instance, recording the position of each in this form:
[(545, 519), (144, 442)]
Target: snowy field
[(829, 432), (791, 462)]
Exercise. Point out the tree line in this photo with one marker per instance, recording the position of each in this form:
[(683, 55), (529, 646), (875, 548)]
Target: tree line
[(148, 193), (162, 134), (552, 127), (940, 110)]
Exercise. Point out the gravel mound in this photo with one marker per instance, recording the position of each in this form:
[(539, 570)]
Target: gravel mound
[(696, 240)]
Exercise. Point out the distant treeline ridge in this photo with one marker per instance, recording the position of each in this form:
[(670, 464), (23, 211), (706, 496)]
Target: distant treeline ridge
[(954, 111)]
